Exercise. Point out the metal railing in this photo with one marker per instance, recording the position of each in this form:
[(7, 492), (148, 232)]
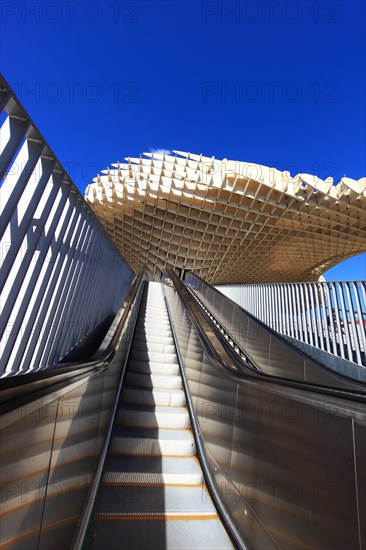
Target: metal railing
[(329, 316), (60, 274)]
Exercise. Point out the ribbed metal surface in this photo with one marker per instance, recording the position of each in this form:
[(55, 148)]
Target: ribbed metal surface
[(151, 441), (185, 533), (153, 470), (166, 398), (153, 417), (169, 381), (170, 499), (153, 493), (154, 368)]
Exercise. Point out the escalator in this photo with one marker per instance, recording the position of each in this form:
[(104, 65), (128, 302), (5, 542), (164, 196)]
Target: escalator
[(170, 440), (153, 493), (268, 352), (286, 454)]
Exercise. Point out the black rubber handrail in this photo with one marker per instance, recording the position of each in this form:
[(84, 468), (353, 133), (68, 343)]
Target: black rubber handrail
[(248, 362), (228, 523), (86, 517)]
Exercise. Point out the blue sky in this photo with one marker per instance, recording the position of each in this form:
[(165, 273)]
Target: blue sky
[(280, 83)]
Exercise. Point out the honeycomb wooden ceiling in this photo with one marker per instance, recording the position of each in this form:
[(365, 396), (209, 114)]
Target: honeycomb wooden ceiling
[(228, 221)]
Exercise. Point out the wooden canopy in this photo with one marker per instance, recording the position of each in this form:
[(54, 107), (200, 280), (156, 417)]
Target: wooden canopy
[(228, 221)]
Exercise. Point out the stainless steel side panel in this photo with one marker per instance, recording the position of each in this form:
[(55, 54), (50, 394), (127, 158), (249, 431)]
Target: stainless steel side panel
[(50, 449), (26, 447), (288, 464)]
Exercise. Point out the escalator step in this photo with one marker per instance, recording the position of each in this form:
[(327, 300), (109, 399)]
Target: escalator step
[(146, 355), (141, 396), (153, 328), (153, 417), (140, 340), (153, 470), (169, 381), (194, 533), (156, 347), (148, 367), (150, 441), (173, 500)]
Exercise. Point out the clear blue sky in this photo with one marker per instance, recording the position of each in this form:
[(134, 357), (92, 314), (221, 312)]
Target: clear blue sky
[(275, 82)]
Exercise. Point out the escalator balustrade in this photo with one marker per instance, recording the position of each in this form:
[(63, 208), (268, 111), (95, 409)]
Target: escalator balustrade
[(153, 493)]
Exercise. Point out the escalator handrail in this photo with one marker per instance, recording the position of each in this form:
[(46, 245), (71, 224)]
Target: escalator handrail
[(80, 535), (281, 339), (16, 391), (236, 369), (201, 454), (249, 363)]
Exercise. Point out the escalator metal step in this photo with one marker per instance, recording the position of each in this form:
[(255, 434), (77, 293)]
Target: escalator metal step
[(145, 499), (153, 470), (168, 381), (142, 396), (153, 327), (161, 318), (150, 441), (153, 417), (158, 339), (148, 367), (153, 356), (153, 346), (158, 321), (193, 533)]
